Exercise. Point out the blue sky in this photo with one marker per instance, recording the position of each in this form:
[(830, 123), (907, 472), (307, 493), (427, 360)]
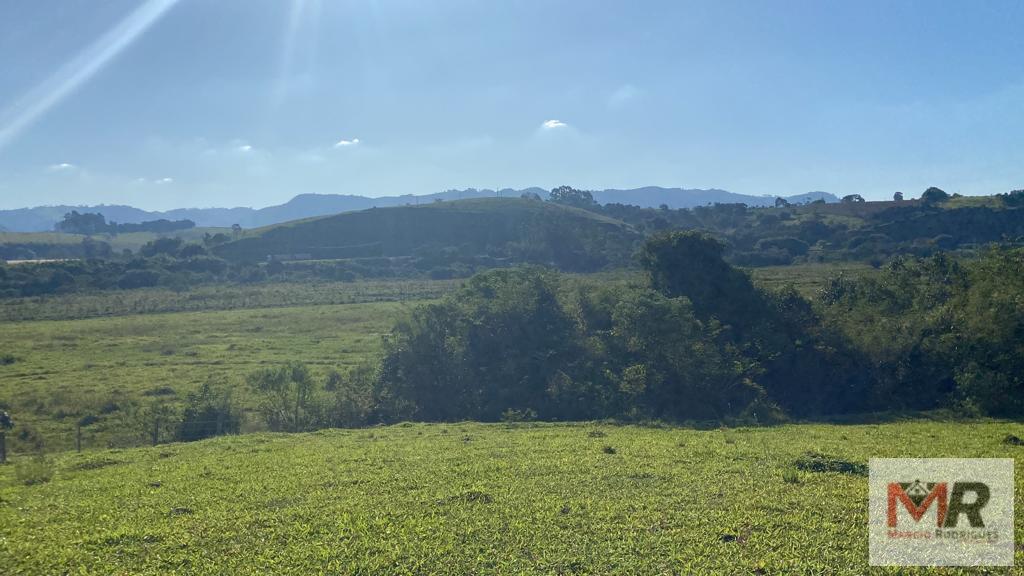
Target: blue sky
[(168, 103)]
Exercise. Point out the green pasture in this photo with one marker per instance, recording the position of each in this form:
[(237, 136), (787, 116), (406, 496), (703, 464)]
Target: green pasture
[(62, 371), (468, 498)]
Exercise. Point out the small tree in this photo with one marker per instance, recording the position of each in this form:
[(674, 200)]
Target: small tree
[(851, 198), (781, 202), (898, 197), (934, 195), (290, 402), (5, 424), (353, 400), (570, 196)]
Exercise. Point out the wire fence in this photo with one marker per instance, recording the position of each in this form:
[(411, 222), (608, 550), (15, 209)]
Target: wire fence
[(22, 441)]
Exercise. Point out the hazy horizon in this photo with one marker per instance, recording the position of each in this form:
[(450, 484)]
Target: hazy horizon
[(163, 104), (397, 195)]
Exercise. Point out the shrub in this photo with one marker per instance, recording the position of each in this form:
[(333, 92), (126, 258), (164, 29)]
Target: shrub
[(289, 397), (210, 411), (353, 401)]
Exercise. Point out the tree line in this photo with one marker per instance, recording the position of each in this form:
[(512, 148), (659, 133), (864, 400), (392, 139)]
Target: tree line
[(95, 223)]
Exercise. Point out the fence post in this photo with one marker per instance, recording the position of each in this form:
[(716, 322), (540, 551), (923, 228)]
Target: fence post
[(78, 438), (3, 447)]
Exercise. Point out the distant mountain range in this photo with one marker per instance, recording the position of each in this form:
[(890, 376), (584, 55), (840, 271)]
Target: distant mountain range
[(43, 218)]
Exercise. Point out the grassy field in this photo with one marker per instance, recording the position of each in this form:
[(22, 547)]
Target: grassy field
[(470, 499), (118, 242), (219, 297), (64, 370), (807, 279)]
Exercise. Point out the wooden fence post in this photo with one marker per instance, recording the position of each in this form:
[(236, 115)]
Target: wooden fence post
[(3, 447), (78, 438)]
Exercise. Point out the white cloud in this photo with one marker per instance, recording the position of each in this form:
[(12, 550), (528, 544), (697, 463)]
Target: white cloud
[(62, 167), (343, 143), (153, 181), (244, 148), (553, 124)]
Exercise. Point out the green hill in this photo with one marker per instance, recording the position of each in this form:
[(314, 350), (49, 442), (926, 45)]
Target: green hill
[(503, 229)]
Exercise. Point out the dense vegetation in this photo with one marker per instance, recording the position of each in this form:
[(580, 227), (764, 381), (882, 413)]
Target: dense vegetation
[(517, 344), (702, 342), (939, 331), (848, 231)]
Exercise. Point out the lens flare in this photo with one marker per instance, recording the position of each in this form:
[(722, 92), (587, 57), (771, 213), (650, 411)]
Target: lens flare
[(76, 72), (299, 48)]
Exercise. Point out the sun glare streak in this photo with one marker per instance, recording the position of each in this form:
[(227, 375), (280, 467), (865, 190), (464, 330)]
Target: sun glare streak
[(299, 43), (69, 77), (295, 18)]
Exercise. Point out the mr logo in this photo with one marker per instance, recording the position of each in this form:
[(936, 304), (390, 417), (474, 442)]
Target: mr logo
[(917, 497), (959, 512)]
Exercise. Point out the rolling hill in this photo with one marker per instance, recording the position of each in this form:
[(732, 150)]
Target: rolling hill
[(506, 229), (43, 218)]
